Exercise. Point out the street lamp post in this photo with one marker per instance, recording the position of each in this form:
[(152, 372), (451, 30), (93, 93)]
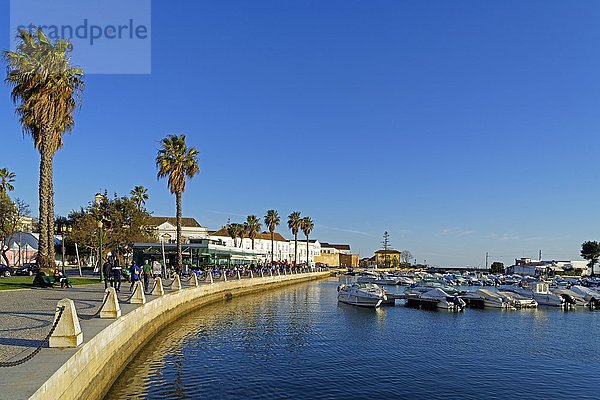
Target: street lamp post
[(98, 198)]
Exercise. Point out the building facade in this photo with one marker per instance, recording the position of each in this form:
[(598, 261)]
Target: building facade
[(166, 229), (314, 251), (262, 245)]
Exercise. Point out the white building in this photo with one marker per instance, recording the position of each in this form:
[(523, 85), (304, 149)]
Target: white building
[(166, 229), (314, 250), (262, 244)]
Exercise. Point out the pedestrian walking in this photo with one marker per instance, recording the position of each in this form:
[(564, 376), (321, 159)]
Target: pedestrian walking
[(106, 269), (116, 273), (135, 272), (147, 270)]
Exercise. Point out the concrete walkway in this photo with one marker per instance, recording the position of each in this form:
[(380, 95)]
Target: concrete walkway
[(26, 318)]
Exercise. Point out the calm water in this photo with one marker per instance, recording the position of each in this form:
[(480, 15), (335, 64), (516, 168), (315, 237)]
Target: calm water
[(297, 342)]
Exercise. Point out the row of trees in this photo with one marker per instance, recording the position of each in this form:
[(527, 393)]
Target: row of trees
[(251, 229)]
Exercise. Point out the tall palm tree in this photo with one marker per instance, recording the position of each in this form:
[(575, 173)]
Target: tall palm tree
[(178, 162), (232, 232), (253, 227), (242, 229), (272, 220), (46, 90), (294, 223), (6, 180), (307, 227), (139, 195)]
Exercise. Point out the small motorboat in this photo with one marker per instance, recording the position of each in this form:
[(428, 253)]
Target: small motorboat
[(519, 300), (367, 277), (387, 279), (361, 294), (539, 293), (443, 300), (487, 299)]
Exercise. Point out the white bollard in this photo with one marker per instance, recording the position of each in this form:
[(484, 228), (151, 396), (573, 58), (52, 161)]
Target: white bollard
[(211, 277), (111, 308), (285, 271), (158, 290), (225, 275), (194, 279), (176, 283), (68, 331), (251, 275), (261, 273), (238, 274), (278, 273), (138, 295)]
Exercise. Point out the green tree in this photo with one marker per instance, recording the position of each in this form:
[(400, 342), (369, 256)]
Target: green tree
[(272, 221), (7, 178), (253, 227), (590, 251), (11, 213), (179, 163), (46, 91), (294, 223), (139, 195), (497, 267), (307, 227)]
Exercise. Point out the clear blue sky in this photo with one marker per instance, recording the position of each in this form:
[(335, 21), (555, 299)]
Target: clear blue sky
[(458, 126)]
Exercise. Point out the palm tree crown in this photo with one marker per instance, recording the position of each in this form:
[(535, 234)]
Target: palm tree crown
[(139, 195), (253, 227), (177, 161), (272, 220), (294, 223), (7, 178), (307, 227)]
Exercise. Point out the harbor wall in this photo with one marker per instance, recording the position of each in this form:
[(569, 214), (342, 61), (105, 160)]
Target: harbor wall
[(92, 370)]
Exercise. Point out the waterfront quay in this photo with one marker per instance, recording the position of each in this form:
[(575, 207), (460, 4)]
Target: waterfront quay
[(88, 370)]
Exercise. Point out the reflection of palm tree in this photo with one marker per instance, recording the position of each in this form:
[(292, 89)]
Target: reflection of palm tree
[(294, 223), (6, 180), (272, 220), (307, 227), (253, 227), (46, 89), (139, 195), (177, 162)]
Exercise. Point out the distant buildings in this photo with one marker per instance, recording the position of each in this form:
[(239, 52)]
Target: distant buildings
[(339, 255), (389, 257), (166, 229), (527, 266)]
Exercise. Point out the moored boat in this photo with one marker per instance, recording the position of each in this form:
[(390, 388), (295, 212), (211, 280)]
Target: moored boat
[(361, 294)]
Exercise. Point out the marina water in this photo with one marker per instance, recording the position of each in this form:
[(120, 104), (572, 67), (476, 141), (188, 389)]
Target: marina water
[(298, 342)]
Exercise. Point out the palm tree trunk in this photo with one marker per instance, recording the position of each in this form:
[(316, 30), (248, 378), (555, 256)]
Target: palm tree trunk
[(307, 262), (252, 243), (296, 249), (179, 251), (50, 183), (42, 254)]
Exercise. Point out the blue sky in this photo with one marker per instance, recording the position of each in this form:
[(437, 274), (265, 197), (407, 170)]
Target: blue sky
[(460, 127)]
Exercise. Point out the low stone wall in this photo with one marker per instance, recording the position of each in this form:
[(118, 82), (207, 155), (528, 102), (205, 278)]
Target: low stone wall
[(91, 371)]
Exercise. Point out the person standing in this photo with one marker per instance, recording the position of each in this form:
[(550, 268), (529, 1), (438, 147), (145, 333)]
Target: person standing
[(146, 270), (106, 269), (135, 274), (116, 273)]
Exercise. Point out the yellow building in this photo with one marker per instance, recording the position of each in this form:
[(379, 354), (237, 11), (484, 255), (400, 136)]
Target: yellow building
[(387, 258)]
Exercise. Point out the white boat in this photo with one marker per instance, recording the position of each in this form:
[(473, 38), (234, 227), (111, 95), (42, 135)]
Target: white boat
[(443, 300), (367, 277), (405, 280), (591, 296), (387, 279), (489, 298), (539, 293), (518, 300), (361, 294), (571, 298)]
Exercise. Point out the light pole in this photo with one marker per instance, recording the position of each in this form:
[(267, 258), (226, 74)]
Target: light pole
[(98, 198), (62, 229)]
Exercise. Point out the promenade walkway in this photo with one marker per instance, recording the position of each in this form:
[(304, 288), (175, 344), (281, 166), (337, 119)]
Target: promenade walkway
[(27, 316)]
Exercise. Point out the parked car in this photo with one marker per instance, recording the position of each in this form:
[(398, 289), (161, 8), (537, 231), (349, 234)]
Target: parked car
[(6, 271), (27, 269)]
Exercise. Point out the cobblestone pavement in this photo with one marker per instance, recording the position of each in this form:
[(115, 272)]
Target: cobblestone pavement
[(26, 315)]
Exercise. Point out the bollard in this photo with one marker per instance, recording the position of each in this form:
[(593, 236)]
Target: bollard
[(251, 275), (194, 279), (111, 308), (68, 332), (238, 274), (261, 273), (158, 290), (211, 278), (138, 296), (271, 273), (285, 271), (278, 273), (225, 275), (176, 283)]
